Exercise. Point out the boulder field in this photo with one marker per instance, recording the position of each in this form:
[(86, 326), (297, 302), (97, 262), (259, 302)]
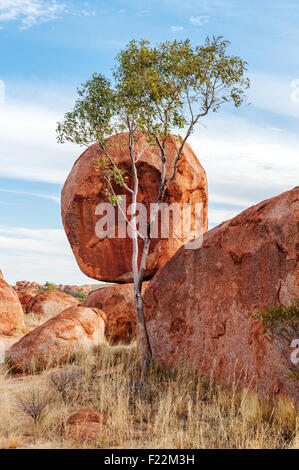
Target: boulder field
[(76, 329), (110, 259), (199, 306), (117, 302)]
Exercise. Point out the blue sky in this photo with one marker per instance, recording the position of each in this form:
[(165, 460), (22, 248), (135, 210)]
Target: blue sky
[(48, 48)]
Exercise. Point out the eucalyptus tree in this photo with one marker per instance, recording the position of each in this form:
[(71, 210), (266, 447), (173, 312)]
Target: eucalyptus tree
[(153, 91)]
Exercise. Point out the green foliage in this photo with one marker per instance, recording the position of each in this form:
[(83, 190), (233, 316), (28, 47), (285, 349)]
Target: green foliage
[(281, 316), (283, 324), (153, 90), (81, 295), (110, 173), (161, 85), (91, 119), (51, 286)]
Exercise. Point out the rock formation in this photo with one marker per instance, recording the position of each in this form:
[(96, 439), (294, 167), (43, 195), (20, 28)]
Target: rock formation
[(198, 307), (86, 424), (50, 303), (109, 259), (24, 298), (76, 329), (11, 312), (117, 302)]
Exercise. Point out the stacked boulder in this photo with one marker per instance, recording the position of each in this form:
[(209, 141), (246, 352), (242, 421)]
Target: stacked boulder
[(110, 259)]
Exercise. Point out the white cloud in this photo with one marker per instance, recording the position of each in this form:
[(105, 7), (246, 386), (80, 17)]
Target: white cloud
[(28, 144), (216, 216), (55, 199), (2, 92), (245, 162), (38, 255), (87, 13), (177, 28), (30, 12), (276, 94), (199, 20)]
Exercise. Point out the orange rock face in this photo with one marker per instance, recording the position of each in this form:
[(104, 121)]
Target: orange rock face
[(50, 303), (110, 259), (74, 330), (86, 424), (24, 298), (11, 312), (198, 306), (118, 303)]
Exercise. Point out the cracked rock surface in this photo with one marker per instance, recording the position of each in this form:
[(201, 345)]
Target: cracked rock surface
[(11, 312), (76, 329), (198, 306), (110, 259), (50, 303)]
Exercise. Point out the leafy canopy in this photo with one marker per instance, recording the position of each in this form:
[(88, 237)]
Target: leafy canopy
[(156, 89)]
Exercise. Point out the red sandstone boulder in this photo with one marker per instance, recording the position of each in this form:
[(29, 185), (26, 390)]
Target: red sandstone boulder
[(6, 341), (50, 303), (117, 302), (11, 312), (86, 424), (198, 306), (74, 330), (24, 298), (110, 259)]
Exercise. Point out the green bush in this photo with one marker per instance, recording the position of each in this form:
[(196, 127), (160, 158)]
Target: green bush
[(281, 316), (51, 286), (283, 325)]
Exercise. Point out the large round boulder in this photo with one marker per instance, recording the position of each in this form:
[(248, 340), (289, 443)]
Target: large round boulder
[(50, 303), (118, 303), (11, 312), (199, 306), (110, 259), (77, 329)]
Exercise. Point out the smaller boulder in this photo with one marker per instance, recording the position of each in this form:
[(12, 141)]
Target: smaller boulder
[(11, 312), (24, 298), (50, 303), (117, 301), (86, 424), (76, 329)]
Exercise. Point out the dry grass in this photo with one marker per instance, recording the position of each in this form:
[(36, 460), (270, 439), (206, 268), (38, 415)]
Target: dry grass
[(32, 321), (152, 410)]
